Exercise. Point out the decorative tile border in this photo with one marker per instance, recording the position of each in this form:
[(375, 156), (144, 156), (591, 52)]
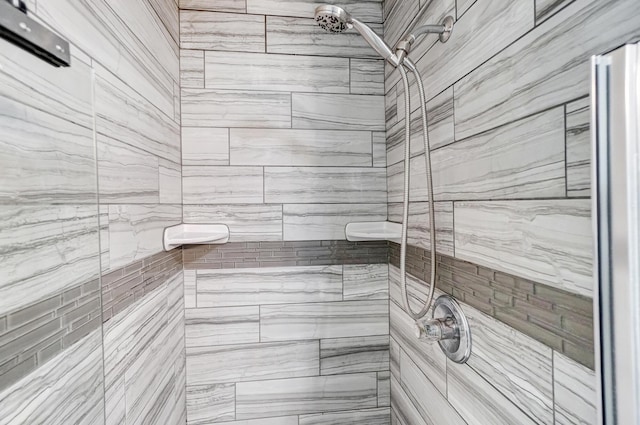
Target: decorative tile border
[(126, 285), (33, 335), (557, 318), (284, 254)]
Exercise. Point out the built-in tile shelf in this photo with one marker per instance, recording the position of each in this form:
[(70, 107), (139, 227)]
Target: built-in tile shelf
[(374, 231), (193, 234)]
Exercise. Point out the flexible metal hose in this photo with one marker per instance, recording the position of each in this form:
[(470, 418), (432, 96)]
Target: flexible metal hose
[(407, 168)]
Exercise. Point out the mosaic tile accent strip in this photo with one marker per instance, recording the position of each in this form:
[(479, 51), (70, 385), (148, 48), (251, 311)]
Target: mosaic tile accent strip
[(559, 319), (126, 285), (284, 254), (31, 336)]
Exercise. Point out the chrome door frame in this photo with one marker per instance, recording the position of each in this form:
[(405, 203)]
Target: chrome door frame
[(616, 220)]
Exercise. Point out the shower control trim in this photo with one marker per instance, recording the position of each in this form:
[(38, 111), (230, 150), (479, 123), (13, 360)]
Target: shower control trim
[(449, 328)]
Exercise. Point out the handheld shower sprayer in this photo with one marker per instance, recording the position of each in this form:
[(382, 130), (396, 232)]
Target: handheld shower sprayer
[(335, 19)]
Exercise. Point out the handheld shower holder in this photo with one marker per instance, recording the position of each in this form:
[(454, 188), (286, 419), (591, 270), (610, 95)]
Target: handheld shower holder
[(443, 30)]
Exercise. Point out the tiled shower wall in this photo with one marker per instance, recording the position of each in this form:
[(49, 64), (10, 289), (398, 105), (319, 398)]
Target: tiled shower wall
[(283, 140), (91, 174), (509, 131)]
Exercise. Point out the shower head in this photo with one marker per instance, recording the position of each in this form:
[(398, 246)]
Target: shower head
[(335, 19)]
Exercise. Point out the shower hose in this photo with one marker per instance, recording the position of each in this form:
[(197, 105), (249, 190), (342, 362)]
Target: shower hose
[(405, 212)]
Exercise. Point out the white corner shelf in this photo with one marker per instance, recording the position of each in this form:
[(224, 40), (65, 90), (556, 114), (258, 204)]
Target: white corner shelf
[(374, 231), (190, 234)]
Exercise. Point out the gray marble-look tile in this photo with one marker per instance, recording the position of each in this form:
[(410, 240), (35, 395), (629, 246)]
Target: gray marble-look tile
[(191, 69), (143, 345), (430, 403), (44, 158), (238, 6), (400, 15), (384, 389), (524, 159), (324, 320), (325, 185), (394, 358), (170, 183), (280, 420), (222, 185), (151, 66), (302, 222), (468, 48), (429, 358), (417, 182), (66, 389), (126, 174), (574, 391), (135, 231), (229, 108), (440, 122), (419, 233), (417, 291), (222, 31), (515, 364), (379, 148), (390, 106), (286, 73), (303, 36), (579, 148), (546, 241), (338, 111), (205, 146), (190, 291), (271, 285), (305, 395), (103, 225), (177, 103), (352, 355), (246, 222), (365, 10), (485, 98), (124, 115), (547, 8), (223, 325), (440, 129), (143, 32), (32, 83), (365, 281), (354, 417), (210, 403), (462, 6), (402, 407), (273, 147), (367, 76), (169, 13), (46, 250), (478, 402), (251, 362)]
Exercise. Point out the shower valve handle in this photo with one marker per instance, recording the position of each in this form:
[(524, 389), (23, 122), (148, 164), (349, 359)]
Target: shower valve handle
[(437, 329)]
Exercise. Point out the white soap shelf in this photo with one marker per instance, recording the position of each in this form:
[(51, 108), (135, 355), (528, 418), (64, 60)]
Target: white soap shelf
[(374, 231), (188, 234)]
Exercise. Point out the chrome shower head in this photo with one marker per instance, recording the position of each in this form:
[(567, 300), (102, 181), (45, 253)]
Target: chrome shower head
[(333, 18)]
